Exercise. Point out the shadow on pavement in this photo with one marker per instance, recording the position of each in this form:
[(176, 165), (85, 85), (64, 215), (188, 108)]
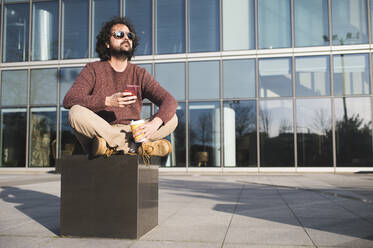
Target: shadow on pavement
[(340, 211), (42, 207)]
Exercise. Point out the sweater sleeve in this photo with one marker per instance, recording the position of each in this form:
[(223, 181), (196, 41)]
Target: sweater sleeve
[(159, 96), (80, 92)]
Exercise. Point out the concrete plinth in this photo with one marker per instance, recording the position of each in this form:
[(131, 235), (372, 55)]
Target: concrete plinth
[(114, 197)]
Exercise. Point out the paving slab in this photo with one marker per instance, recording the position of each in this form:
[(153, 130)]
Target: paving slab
[(198, 210)]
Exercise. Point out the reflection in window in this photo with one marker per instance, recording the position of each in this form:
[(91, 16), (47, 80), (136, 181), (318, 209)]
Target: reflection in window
[(311, 23), (312, 76), (14, 87), (16, 30), (349, 22), (178, 141), (146, 111), (275, 77), (204, 26), (172, 77), (239, 78), (238, 15), (170, 26), (276, 133), (351, 74), (69, 143), (74, 42), (204, 134), (67, 78), (240, 133), (204, 80), (314, 132), (43, 86), (102, 11), (142, 21), (43, 137), (13, 137), (274, 23), (45, 30), (353, 131)]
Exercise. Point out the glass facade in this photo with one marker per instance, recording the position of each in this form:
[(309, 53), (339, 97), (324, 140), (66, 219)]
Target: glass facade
[(259, 83)]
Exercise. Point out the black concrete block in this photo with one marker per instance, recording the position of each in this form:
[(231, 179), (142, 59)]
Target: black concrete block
[(114, 197)]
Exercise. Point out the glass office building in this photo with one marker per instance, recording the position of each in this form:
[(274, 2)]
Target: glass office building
[(260, 83)]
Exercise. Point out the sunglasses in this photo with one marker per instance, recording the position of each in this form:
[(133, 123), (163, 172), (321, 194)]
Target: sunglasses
[(120, 35)]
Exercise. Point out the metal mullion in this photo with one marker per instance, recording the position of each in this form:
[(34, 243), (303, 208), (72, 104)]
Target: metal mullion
[(256, 22), (369, 24), (334, 143), (59, 29), (221, 25), (58, 112), (121, 8), (371, 99), (292, 25), (221, 113), (187, 114), (186, 27), (90, 38), (257, 112), (30, 33), (28, 117), (153, 26), (294, 114), (1, 30)]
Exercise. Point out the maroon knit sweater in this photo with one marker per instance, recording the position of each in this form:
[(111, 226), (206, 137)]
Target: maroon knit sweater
[(98, 80)]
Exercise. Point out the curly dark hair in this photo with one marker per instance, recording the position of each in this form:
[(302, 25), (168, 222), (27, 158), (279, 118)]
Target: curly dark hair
[(104, 37)]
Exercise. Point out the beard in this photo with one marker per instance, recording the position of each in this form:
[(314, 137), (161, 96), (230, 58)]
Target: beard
[(121, 53)]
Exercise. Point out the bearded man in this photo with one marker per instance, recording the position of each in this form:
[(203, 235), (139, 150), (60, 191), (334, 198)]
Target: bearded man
[(107, 95)]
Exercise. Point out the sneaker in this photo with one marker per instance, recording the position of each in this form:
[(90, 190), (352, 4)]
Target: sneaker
[(99, 147), (159, 148)]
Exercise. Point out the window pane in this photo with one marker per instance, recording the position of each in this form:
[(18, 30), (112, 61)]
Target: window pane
[(172, 77), (314, 132), (44, 86), (43, 137), (170, 26), (239, 78), (147, 67), (349, 19), (238, 15), (16, 29), (103, 11), (351, 74), (274, 23), (13, 137), (276, 133), (311, 23), (69, 143), (312, 77), (14, 87), (204, 80), (45, 31), (353, 132), (178, 141), (68, 76), (146, 111), (204, 26), (275, 77), (204, 134), (74, 29), (240, 134), (143, 23)]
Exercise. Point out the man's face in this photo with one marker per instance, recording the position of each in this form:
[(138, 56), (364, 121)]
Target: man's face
[(120, 47)]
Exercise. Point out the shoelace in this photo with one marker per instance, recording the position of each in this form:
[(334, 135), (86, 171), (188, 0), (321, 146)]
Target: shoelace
[(146, 153)]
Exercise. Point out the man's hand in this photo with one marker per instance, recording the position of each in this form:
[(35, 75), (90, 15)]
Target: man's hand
[(120, 99), (149, 128)]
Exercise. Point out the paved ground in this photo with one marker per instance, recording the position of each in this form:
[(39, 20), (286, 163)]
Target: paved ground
[(298, 210)]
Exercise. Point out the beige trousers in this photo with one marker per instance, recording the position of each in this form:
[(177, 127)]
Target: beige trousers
[(87, 124)]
